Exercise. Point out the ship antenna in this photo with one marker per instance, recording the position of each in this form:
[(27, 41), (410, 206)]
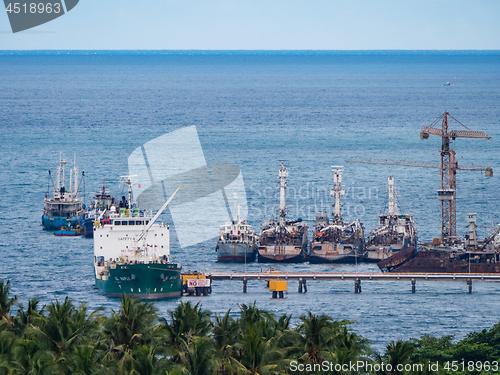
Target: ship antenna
[(337, 192), (282, 175), (393, 204), (236, 207), (129, 181)]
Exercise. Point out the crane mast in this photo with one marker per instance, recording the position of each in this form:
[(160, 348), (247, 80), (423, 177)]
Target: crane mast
[(447, 195)]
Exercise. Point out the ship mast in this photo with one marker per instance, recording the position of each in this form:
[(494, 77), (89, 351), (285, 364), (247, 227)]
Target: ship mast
[(337, 192), (129, 181), (472, 240), (236, 208), (75, 190), (282, 175), (60, 190), (393, 206)]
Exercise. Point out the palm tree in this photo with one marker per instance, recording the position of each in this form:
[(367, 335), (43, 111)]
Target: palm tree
[(23, 318), (7, 340), (396, 353), (258, 346), (224, 334), (134, 324), (197, 356), (5, 302), (64, 326), (186, 319), (146, 362), (317, 334), (31, 357), (84, 360)]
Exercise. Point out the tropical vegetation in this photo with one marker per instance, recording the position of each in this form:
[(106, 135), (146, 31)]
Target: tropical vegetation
[(62, 338)]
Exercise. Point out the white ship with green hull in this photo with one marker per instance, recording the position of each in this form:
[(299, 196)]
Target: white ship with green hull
[(132, 255)]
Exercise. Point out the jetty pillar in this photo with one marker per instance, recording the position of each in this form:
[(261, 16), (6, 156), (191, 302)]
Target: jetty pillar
[(469, 283), (300, 285), (304, 285), (244, 285), (357, 286), (413, 285)]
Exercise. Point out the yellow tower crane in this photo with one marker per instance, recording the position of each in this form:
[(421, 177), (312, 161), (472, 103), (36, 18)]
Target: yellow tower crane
[(448, 167)]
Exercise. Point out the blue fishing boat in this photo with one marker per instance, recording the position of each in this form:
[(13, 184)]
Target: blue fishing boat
[(65, 208)]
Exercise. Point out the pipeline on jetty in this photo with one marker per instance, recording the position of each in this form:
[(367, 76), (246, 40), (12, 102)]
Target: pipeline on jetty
[(357, 277)]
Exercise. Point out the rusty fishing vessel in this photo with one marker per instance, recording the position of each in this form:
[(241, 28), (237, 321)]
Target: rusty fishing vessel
[(449, 254), (455, 255), (237, 240), (283, 241), (396, 231), (338, 241)]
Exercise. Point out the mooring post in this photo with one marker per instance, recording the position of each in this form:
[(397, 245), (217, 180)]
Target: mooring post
[(357, 286), (469, 283), (244, 285), (300, 285), (413, 285), (304, 285), (267, 284)]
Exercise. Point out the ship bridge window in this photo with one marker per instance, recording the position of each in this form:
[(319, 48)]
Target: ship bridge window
[(147, 222), (139, 222), (118, 222), (124, 222), (131, 222)]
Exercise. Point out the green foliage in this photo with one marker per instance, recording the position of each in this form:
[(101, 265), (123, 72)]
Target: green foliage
[(61, 338)]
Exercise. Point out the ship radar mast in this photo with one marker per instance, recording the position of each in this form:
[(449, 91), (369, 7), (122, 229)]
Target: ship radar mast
[(237, 208), (60, 191), (337, 192), (61, 187), (282, 175), (129, 181), (393, 205), (471, 241)]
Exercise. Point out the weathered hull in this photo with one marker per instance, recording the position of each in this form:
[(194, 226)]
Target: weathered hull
[(344, 259), (282, 254), (88, 228), (144, 281), (328, 252), (67, 233), (378, 255), (236, 252), (390, 264), (430, 261), (56, 223), (282, 258)]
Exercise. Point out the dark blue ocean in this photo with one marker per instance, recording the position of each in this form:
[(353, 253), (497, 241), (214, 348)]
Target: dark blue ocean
[(312, 109)]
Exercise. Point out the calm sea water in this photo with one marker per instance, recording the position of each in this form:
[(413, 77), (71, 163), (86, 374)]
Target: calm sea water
[(312, 109)]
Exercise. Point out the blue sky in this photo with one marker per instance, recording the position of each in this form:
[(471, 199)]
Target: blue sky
[(266, 25)]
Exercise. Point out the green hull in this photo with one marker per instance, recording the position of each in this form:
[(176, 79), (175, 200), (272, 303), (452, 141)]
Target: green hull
[(144, 281)]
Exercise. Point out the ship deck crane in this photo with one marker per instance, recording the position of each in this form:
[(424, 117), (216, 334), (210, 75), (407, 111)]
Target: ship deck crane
[(448, 167)]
